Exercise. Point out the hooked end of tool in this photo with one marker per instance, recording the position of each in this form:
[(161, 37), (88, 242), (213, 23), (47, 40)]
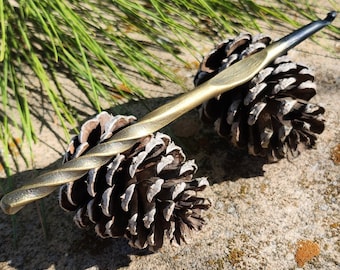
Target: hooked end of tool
[(331, 16)]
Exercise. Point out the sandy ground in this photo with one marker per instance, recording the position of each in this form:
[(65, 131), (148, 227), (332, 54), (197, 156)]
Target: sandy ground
[(261, 213)]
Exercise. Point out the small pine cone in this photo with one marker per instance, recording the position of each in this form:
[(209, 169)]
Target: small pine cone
[(143, 194), (270, 115)]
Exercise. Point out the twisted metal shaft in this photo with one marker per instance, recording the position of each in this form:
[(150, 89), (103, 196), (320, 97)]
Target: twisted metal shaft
[(233, 76)]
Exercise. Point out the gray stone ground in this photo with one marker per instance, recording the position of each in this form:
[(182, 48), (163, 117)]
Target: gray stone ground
[(259, 214)]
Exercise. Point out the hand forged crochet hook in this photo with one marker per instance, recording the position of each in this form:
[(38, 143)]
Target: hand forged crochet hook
[(233, 76)]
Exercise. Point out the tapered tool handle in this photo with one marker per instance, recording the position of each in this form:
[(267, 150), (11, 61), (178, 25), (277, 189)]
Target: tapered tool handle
[(233, 76)]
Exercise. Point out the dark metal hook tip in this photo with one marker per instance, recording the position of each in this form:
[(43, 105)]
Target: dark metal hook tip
[(331, 16)]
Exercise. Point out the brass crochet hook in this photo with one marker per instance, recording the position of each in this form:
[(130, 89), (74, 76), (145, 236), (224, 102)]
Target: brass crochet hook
[(233, 76)]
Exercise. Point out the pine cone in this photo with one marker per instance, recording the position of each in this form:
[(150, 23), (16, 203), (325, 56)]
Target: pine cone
[(271, 115), (142, 194)]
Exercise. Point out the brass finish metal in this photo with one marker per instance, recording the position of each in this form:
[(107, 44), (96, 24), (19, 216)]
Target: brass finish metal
[(233, 76)]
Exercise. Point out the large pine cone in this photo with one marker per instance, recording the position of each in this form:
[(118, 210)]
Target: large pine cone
[(270, 115), (143, 194)]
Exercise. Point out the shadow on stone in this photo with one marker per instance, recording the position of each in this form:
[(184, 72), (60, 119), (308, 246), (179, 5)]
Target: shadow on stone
[(67, 247)]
